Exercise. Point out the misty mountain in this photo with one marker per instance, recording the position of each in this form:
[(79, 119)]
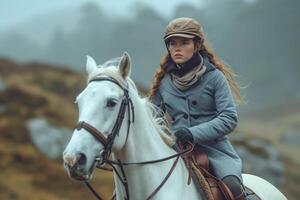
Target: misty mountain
[(40, 28), (261, 41)]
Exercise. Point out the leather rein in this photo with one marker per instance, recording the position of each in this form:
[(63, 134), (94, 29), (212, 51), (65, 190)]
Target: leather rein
[(108, 141)]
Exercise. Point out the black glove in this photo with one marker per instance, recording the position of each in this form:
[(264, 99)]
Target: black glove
[(184, 135)]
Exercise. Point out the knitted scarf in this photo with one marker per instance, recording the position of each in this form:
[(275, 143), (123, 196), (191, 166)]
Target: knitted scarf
[(186, 74)]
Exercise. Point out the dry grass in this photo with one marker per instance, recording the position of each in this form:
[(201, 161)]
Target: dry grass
[(38, 91), (272, 129)]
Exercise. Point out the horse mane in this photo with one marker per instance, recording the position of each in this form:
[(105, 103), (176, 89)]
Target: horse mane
[(113, 62), (155, 115), (160, 123)]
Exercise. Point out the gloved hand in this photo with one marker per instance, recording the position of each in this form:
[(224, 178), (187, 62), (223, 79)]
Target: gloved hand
[(184, 135)]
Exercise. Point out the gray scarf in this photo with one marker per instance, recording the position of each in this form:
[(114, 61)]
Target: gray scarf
[(187, 80)]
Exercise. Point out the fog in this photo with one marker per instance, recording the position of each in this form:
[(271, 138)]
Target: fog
[(259, 39)]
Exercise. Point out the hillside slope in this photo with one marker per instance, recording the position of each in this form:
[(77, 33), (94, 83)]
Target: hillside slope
[(37, 90)]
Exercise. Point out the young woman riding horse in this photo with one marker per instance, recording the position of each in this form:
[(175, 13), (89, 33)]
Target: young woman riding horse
[(194, 87)]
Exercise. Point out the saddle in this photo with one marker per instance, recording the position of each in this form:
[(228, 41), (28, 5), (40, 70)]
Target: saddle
[(198, 165)]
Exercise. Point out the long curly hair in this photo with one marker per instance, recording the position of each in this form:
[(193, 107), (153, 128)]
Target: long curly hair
[(206, 50)]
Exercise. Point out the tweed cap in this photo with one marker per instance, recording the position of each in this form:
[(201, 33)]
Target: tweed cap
[(183, 27)]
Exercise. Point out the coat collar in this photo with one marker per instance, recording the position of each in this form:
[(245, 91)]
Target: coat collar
[(169, 86)]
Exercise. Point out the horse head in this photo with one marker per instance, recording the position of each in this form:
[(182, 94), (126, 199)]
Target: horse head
[(103, 106)]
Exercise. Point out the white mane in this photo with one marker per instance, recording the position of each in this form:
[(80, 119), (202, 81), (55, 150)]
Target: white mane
[(154, 114), (159, 122)]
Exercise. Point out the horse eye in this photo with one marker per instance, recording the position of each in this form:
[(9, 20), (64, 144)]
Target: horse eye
[(111, 103)]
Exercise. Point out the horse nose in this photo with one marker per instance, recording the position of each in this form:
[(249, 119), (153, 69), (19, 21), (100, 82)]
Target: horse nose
[(78, 159), (70, 160), (81, 159)]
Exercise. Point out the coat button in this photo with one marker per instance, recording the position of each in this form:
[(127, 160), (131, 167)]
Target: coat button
[(185, 116), (194, 102)]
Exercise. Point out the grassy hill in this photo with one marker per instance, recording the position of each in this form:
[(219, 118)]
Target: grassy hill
[(270, 124), (38, 90)]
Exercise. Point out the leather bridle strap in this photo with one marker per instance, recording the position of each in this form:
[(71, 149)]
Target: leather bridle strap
[(186, 151), (104, 78), (92, 130), (165, 179), (93, 190), (116, 127)]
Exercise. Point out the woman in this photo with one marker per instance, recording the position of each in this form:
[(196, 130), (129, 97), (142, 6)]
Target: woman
[(193, 87)]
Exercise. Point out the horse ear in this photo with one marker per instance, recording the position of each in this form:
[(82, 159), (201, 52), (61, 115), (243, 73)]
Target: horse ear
[(125, 65), (91, 64)]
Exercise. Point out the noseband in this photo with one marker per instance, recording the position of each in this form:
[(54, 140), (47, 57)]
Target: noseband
[(108, 141)]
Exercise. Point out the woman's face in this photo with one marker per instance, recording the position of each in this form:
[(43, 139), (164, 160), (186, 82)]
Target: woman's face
[(181, 49)]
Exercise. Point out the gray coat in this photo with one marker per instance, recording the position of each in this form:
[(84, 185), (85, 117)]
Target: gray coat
[(208, 111)]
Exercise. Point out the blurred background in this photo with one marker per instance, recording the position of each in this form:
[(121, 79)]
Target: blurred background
[(43, 48)]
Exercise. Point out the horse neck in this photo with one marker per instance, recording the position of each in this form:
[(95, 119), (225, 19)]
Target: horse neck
[(144, 144), (144, 140)]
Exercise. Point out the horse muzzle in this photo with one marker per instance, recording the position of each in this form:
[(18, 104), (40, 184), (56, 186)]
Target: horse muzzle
[(76, 166)]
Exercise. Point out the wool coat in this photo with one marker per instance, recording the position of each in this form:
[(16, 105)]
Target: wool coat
[(207, 109)]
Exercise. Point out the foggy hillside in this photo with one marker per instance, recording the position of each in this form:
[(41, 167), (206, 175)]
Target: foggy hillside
[(260, 41)]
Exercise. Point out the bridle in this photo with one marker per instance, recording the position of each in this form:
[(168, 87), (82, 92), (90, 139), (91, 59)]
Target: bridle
[(108, 141)]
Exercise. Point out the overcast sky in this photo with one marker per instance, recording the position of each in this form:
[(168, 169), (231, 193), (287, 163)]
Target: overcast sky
[(13, 12)]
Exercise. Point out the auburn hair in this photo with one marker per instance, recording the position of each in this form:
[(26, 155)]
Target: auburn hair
[(205, 50)]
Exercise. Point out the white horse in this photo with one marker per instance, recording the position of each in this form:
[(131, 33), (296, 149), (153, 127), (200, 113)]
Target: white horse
[(109, 97)]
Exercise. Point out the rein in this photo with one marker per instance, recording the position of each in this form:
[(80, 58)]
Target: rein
[(123, 178), (107, 142), (122, 164)]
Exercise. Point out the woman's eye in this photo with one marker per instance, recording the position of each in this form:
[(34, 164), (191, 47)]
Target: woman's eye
[(172, 43), (110, 103)]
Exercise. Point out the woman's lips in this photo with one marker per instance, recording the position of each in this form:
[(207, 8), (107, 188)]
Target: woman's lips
[(177, 55)]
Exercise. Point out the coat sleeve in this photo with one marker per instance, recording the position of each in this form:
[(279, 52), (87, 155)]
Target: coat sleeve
[(226, 119), (157, 100)]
